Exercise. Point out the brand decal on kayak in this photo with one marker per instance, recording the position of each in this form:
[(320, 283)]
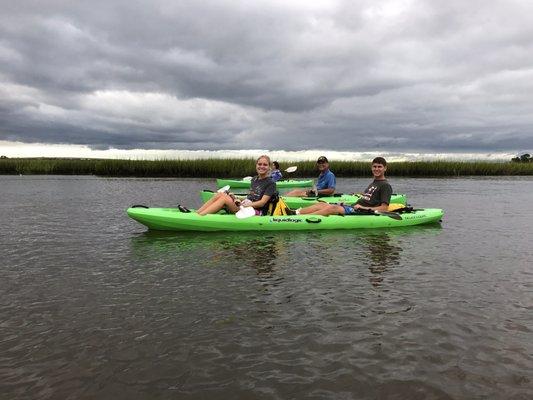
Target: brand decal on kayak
[(285, 220), (413, 216)]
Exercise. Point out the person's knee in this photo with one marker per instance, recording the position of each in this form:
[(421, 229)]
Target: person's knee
[(224, 197), (334, 209), (228, 200), (331, 208)]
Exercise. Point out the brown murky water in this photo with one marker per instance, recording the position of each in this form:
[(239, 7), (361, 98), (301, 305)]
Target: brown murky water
[(94, 306)]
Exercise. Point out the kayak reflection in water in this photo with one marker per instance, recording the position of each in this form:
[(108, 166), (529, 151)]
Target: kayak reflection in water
[(376, 196), (382, 255), (263, 188)]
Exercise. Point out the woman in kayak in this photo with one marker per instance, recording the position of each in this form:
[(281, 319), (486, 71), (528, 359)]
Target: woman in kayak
[(261, 192)]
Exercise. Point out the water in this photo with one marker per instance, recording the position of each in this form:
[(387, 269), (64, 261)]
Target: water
[(94, 306)]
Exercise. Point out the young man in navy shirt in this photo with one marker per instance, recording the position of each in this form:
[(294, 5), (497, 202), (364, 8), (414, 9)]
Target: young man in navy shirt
[(376, 196)]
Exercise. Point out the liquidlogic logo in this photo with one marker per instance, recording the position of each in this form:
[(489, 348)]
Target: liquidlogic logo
[(289, 219), (413, 216)]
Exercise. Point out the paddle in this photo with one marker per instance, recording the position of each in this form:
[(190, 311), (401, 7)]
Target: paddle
[(224, 189), (290, 169), (245, 212), (390, 214)]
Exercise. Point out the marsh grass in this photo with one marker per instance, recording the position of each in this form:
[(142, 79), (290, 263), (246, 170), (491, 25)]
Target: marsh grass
[(227, 168)]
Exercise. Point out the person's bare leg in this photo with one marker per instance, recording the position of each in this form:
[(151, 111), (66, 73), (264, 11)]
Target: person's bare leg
[(313, 208), (296, 193), (210, 201), (218, 204), (329, 209)]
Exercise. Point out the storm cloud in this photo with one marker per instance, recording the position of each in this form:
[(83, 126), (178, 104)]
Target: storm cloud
[(340, 75)]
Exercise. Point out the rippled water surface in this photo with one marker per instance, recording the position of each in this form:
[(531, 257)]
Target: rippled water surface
[(95, 307)]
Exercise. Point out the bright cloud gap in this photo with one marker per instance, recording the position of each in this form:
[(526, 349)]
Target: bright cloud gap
[(17, 149)]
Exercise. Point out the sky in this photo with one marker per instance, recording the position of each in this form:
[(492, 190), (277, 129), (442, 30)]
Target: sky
[(126, 78)]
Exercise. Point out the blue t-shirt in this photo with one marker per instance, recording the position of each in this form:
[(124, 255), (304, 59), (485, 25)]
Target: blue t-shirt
[(275, 175), (326, 180)]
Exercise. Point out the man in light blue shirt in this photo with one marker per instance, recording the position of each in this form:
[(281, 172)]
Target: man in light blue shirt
[(325, 184)]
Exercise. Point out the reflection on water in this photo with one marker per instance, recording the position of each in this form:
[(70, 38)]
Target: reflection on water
[(379, 250), (242, 243), (94, 306), (382, 254)]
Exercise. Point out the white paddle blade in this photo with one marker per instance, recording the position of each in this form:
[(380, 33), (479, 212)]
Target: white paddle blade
[(291, 169), (223, 189), (247, 178), (245, 212)]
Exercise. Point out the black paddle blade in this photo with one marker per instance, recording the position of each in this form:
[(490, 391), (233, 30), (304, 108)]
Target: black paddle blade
[(390, 214)]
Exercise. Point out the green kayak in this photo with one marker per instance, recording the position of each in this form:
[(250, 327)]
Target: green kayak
[(297, 202), (171, 219), (243, 183)]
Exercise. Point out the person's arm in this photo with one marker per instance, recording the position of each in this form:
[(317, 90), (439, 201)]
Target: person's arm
[(326, 192), (269, 191), (385, 195), (329, 186), (381, 207), (259, 203)]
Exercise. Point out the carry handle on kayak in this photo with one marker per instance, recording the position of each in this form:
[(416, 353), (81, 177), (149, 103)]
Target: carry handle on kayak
[(313, 220)]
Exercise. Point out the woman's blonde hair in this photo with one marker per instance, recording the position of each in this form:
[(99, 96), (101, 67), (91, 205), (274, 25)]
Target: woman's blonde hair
[(267, 158)]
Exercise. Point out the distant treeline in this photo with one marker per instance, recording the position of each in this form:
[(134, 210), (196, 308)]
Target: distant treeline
[(224, 168), (524, 158)]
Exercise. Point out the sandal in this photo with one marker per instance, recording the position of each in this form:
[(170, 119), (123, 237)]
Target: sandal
[(183, 209)]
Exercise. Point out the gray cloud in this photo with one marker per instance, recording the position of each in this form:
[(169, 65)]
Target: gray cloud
[(365, 75)]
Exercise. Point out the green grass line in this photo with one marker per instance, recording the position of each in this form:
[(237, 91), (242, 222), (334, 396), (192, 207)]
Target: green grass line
[(226, 168)]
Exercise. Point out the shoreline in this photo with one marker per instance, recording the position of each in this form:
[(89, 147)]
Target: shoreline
[(230, 168)]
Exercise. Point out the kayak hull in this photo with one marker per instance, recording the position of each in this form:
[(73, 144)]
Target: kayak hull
[(301, 202), (171, 219), (240, 184)]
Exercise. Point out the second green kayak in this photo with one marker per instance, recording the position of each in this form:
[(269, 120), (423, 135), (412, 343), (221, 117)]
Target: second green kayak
[(301, 202)]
